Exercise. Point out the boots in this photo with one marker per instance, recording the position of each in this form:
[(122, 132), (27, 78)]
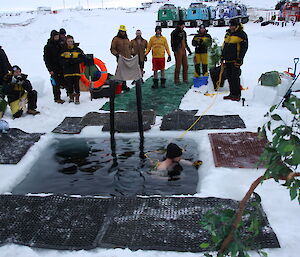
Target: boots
[(71, 97), (163, 82), (59, 101), (125, 88), (77, 98), (155, 83), (33, 112)]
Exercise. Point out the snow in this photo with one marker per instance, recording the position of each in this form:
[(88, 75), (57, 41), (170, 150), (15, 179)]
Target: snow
[(29, 5), (270, 48)]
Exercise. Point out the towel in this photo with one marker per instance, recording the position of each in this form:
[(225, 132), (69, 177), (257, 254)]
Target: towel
[(128, 69)]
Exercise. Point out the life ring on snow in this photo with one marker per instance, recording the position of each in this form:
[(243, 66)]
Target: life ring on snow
[(102, 78)]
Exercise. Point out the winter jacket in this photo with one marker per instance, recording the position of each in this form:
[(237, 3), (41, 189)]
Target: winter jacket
[(235, 45), (120, 46), (178, 37), (138, 48), (70, 58), (4, 65), (52, 55), (159, 45), (14, 87), (202, 42)]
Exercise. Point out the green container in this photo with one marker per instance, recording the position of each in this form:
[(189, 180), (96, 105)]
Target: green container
[(168, 12), (271, 79)]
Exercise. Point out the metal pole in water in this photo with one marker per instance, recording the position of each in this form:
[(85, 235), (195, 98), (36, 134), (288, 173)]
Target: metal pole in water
[(138, 91), (112, 84)]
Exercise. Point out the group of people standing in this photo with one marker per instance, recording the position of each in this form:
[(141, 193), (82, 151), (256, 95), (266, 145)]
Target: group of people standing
[(62, 57), (233, 51)]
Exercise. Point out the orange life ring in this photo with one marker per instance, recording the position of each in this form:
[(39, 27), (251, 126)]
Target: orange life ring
[(102, 78)]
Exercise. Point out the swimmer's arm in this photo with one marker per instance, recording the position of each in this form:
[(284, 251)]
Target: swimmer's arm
[(196, 164), (186, 162)]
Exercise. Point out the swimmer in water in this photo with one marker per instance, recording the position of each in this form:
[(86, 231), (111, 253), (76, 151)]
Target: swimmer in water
[(172, 162)]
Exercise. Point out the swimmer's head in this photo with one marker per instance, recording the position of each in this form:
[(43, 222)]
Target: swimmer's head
[(174, 152)]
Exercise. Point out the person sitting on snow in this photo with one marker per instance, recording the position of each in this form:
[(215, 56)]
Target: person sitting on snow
[(171, 166), (18, 90)]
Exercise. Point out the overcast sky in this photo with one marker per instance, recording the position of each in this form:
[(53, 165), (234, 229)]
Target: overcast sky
[(20, 5)]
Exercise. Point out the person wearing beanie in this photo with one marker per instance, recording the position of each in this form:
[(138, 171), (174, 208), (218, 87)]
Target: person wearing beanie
[(201, 41), (179, 46), (19, 91), (138, 47), (51, 58), (120, 45), (159, 45), (62, 37), (234, 49), (173, 158), (71, 57)]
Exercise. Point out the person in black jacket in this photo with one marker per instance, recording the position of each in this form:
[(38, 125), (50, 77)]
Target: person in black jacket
[(19, 90), (233, 52), (5, 66), (202, 41), (51, 58), (62, 37), (71, 56), (179, 46)]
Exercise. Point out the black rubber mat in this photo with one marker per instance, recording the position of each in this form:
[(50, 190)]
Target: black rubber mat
[(100, 119), (127, 125), (124, 122), (15, 144), (167, 224), (70, 125), (171, 224), (182, 120), (94, 119), (55, 222)]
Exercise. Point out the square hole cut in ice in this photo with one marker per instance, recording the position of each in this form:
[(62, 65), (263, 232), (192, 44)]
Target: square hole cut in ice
[(86, 166)]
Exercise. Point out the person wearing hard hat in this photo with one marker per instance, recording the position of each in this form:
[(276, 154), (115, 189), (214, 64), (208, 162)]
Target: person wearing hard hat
[(120, 45)]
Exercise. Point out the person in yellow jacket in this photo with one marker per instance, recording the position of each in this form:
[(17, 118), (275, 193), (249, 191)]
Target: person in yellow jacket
[(202, 41), (159, 45)]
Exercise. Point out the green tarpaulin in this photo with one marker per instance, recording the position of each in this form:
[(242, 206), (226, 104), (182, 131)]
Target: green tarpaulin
[(161, 100)]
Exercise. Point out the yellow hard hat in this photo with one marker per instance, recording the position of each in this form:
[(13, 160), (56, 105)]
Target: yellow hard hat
[(122, 28)]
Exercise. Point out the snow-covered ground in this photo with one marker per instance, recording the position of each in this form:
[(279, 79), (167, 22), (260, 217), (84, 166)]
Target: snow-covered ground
[(270, 48)]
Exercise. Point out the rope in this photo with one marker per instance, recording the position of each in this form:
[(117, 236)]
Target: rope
[(195, 122), (206, 110)]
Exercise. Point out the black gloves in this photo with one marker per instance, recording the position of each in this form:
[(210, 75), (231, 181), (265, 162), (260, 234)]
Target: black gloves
[(169, 58)]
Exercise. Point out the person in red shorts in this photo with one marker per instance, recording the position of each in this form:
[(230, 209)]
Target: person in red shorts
[(159, 45)]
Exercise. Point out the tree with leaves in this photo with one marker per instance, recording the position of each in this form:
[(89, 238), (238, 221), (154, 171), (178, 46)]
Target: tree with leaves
[(281, 158)]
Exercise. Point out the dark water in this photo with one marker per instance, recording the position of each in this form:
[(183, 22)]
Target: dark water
[(86, 166)]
